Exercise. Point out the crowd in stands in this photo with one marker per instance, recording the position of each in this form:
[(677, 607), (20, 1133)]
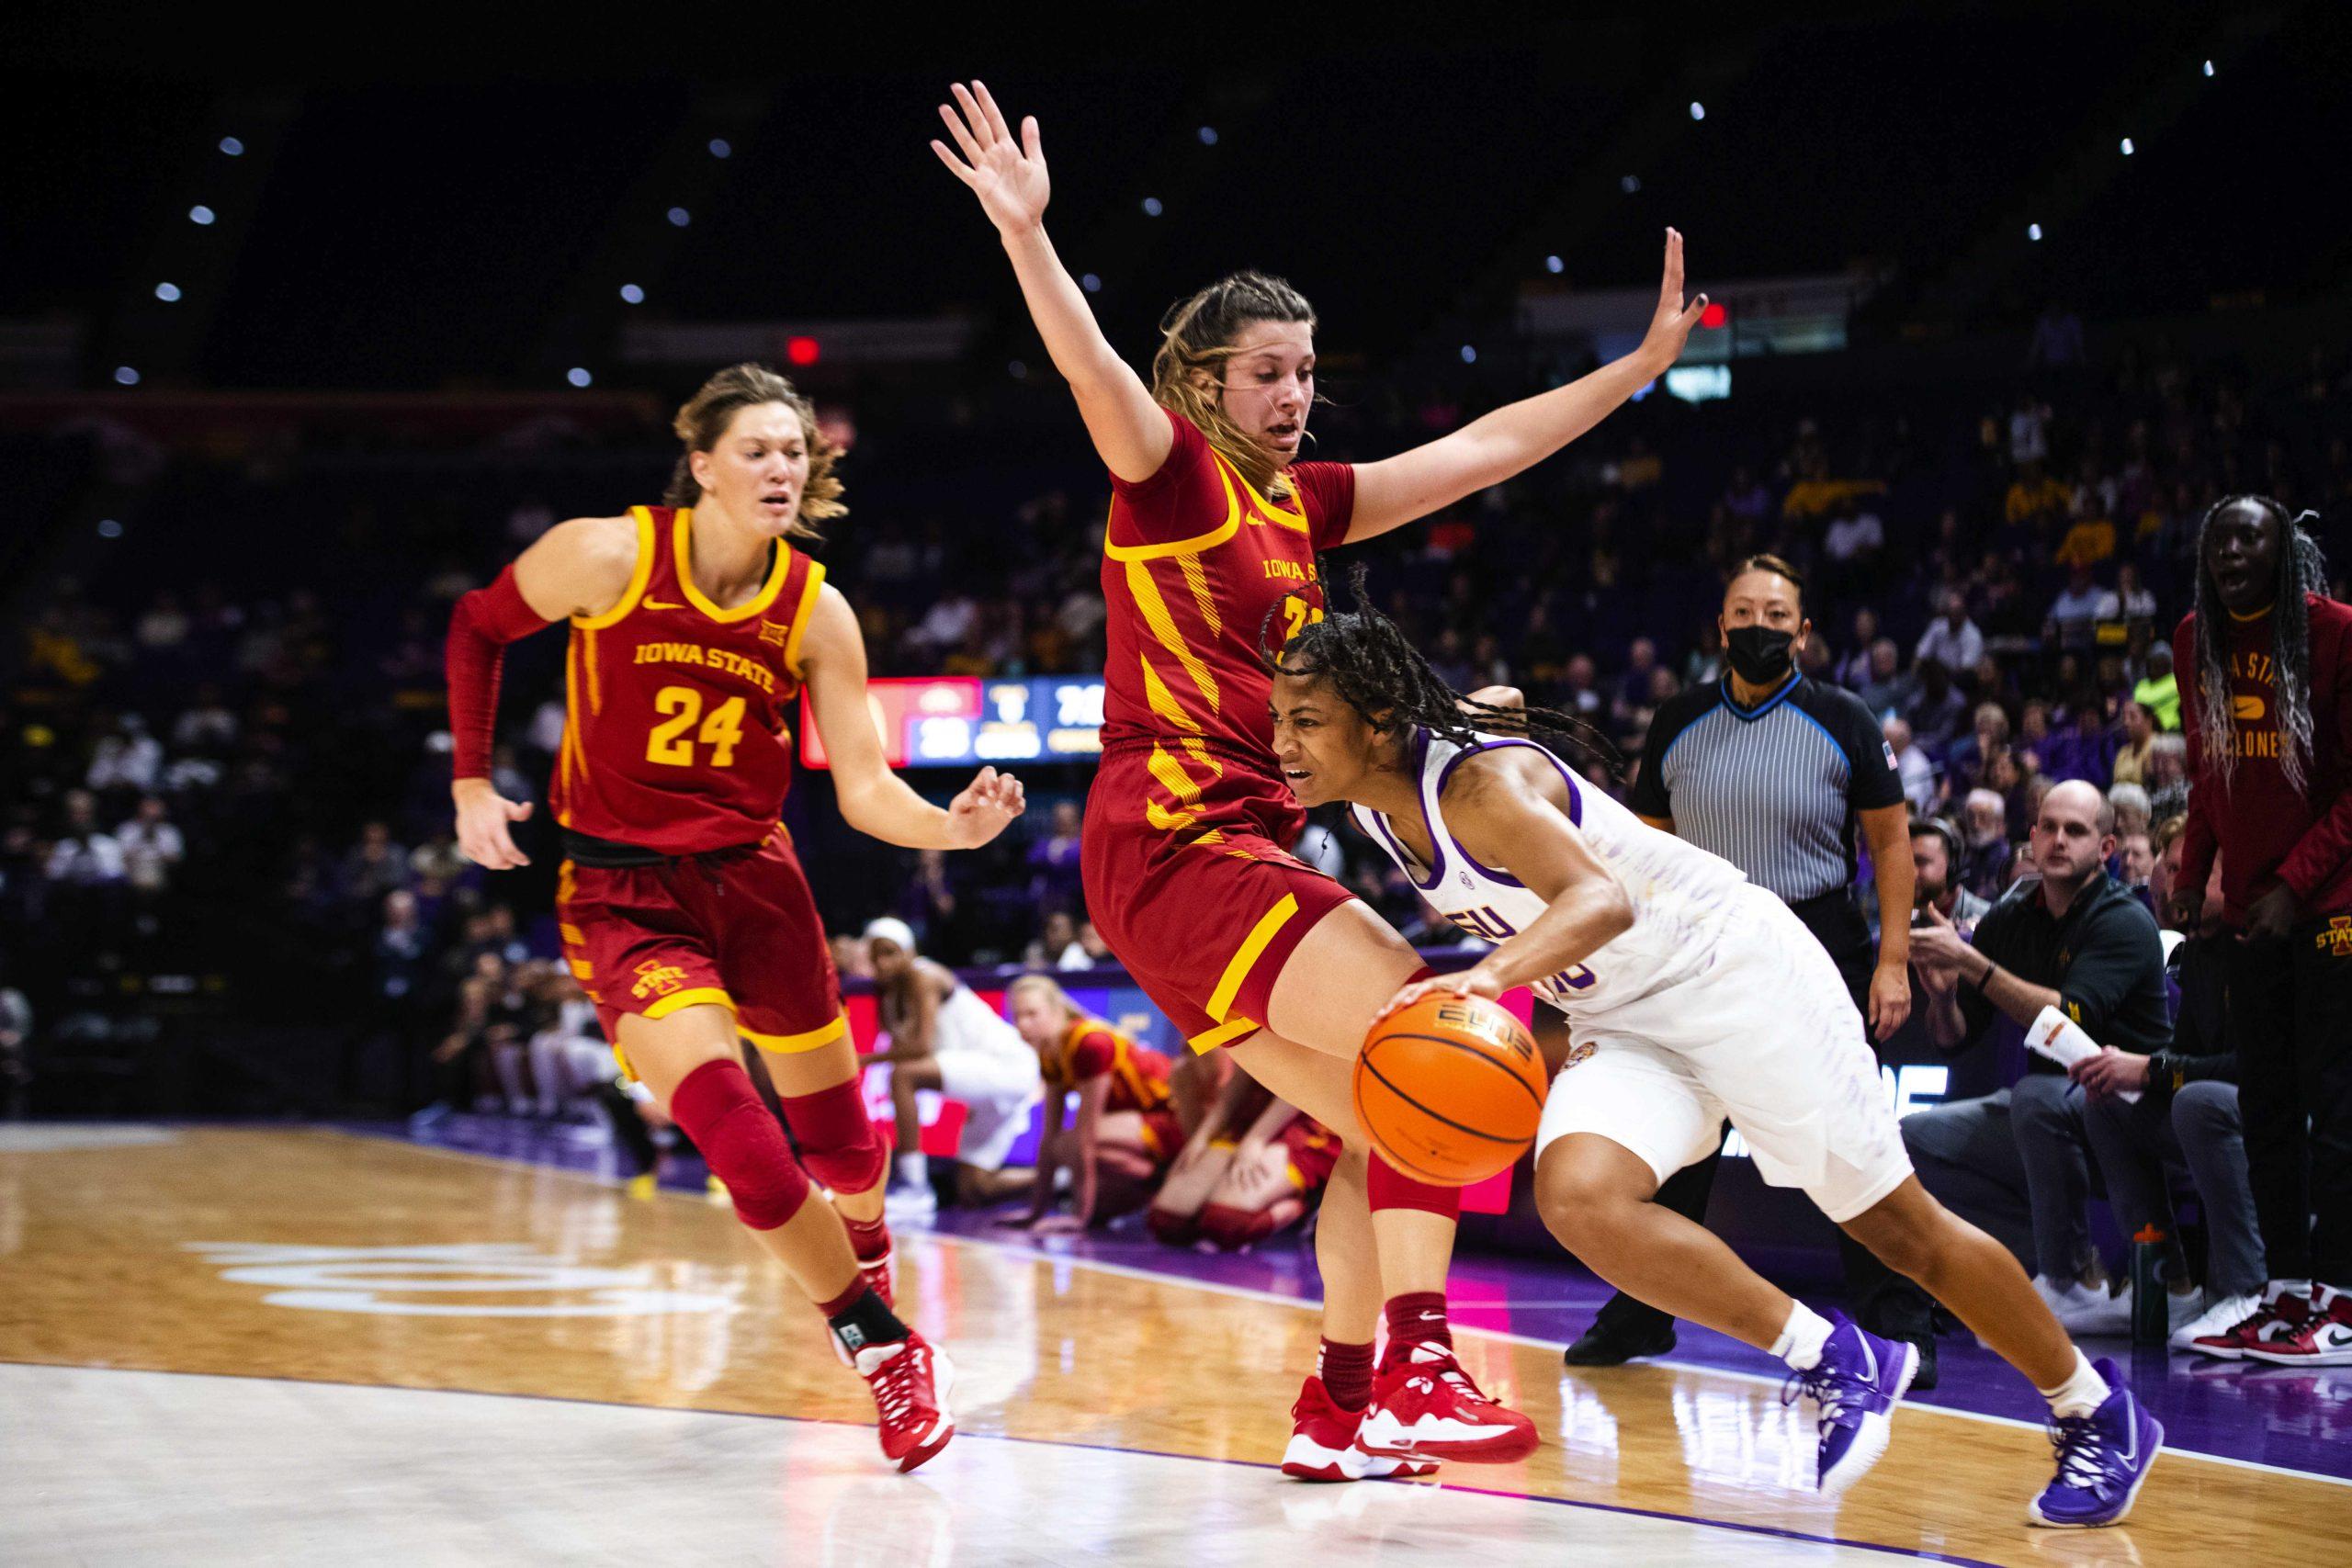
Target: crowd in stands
[(247, 779)]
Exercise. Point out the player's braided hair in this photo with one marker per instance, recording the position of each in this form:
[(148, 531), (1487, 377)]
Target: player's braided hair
[(2302, 569), (1196, 338), (1377, 671), (702, 424)]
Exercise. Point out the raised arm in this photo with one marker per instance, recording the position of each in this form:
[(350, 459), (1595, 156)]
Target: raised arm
[(1129, 432), (580, 568), (1517, 436), (873, 800)]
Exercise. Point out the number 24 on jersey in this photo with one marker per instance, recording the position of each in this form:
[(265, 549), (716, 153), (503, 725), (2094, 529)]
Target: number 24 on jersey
[(669, 744)]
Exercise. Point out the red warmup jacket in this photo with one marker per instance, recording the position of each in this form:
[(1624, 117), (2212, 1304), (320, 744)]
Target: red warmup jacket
[(2264, 831)]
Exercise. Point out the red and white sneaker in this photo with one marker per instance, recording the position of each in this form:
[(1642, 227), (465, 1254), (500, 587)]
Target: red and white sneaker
[(1425, 1406), (876, 1271), (910, 1382), (2322, 1339), (1323, 1444), (2281, 1313)]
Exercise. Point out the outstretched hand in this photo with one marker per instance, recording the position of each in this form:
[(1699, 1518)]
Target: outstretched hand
[(1009, 176), (986, 807), (1474, 981), (1670, 327)]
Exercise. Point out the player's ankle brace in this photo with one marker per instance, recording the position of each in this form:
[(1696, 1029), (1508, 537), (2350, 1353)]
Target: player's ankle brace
[(858, 1319), (743, 1146), (838, 1140), (1387, 1188)]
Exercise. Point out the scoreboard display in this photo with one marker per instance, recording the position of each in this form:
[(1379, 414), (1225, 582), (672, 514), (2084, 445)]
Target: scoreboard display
[(958, 721)]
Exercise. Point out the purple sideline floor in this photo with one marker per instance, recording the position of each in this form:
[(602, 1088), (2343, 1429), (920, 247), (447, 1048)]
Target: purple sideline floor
[(2298, 1420)]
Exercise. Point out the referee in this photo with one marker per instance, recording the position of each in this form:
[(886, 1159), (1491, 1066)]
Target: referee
[(1774, 772)]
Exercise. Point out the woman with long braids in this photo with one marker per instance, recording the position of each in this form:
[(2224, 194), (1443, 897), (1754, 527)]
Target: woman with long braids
[(1214, 522), (2266, 689), (1693, 994)]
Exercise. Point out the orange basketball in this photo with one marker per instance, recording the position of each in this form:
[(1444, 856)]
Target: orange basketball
[(1450, 1089)]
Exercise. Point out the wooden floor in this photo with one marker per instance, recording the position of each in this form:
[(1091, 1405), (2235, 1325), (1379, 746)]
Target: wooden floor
[(1086, 1397)]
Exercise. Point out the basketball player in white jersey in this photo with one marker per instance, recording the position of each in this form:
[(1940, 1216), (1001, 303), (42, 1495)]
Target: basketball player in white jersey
[(1690, 995), (943, 1037)]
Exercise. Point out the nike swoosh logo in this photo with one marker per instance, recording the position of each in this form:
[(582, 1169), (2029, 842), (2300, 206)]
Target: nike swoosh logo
[(2131, 1415), (660, 604), (1870, 1357)]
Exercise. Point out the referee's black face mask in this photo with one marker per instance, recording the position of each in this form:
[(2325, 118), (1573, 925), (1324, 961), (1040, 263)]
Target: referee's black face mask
[(1759, 655)]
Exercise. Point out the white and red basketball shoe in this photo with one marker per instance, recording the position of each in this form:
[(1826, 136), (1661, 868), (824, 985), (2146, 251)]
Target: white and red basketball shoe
[(910, 1382), (1323, 1444), (2282, 1311), (1425, 1406), (2322, 1339)]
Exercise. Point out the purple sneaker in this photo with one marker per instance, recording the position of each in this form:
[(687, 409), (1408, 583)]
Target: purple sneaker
[(1853, 1388), (2103, 1460)]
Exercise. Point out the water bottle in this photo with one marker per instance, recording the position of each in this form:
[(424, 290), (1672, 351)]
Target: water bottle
[(2151, 1299)]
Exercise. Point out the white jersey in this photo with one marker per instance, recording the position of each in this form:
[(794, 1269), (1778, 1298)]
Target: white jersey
[(1683, 895), (965, 1025)]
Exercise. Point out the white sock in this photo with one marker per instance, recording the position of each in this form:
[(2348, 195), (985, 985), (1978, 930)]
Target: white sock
[(2278, 1290), (1802, 1338), (2083, 1392), (914, 1170)]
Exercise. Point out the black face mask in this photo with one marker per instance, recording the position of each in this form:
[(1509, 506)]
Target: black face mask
[(1759, 655)]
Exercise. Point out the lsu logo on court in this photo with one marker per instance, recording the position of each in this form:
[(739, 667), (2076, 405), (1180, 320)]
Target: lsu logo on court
[(655, 978), (2336, 938)]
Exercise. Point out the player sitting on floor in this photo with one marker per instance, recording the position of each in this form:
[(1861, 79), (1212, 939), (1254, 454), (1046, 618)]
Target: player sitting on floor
[(1126, 1130), (1250, 1170)]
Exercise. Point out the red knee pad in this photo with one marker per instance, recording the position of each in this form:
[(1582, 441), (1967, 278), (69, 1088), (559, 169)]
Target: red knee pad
[(1388, 1188), (839, 1142), (743, 1146)]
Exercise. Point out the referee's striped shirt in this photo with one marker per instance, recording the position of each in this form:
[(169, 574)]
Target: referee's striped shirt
[(1776, 789)]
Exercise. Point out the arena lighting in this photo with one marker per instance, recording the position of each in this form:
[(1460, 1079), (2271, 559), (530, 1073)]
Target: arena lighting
[(802, 350), (578, 377), (232, 147), (680, 217), (1554, 265), (167, 293), (2127, 147), (1630, 184), (1715, 315), (1151, 207), (2209, 68), (720, 148), (124, 375), (200, 216), (109, 529), (1469, 355), (2033, 230), (632, 293), (1208, 136), (1018, 371), (1091, 283), (1698, 109)]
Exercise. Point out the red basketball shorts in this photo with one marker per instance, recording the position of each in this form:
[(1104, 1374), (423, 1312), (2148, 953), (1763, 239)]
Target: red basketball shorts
[(1203, 902), (735, 929)]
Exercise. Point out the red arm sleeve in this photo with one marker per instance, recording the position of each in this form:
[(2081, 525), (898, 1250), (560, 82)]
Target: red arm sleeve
[(1327, 491), (2320, 852), (480, 627), (2198, 841)]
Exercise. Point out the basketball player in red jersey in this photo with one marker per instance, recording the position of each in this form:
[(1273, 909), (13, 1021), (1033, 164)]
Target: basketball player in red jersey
[(1127, 1130), (682, 907), (1215, 525)]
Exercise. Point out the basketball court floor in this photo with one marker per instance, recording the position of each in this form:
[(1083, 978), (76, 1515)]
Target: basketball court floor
[(230, 1344)]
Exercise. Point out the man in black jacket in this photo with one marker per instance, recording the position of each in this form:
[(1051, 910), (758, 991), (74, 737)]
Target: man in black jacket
[(2186, 1115)]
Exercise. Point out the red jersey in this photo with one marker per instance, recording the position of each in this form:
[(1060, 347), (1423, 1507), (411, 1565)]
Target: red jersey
[(674, 736), (1088, 1050), (2262, 828), (1193, 559)]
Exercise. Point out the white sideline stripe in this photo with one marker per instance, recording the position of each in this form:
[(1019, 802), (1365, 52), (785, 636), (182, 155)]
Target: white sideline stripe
[(1132, 1272)]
